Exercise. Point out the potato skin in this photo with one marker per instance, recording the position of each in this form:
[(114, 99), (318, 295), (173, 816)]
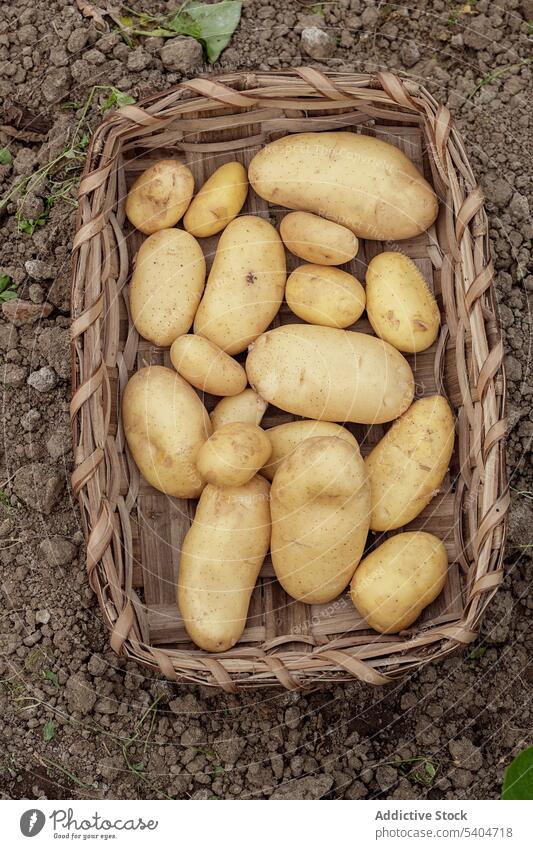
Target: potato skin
[(284, 438), (318, 240), (218, 202), (165, 424), (221, 558), (327, 296), (397, 580), (167, 285), (207, 366), (160, 196), (363, 183), (408, 465), (320, 505), (400, 306), (245, 286), (247, 406), (233, 454), (329, 374)]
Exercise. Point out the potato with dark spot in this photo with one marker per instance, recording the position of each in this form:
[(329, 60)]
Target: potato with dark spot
[(220, 561), (407, 466), (160, 196), (233, 454), (245, 286), (218, 202)]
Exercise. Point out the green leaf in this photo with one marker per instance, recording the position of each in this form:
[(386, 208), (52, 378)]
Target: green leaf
[(52, 677), (5, 156), (116, 98), (138, 767), (518, 779), (9, 295), (5, 281), (212, 24), (430, 770), (7, 288), (49, 730)]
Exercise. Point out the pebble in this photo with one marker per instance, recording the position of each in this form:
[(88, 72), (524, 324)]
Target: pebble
[(38, 270), (80, 694), (96, 666), (56, 84), (36, 293), (30, 421), (308, 788), (58, 550), (181, 54), (21, 312), (317, 43), (13, 375), (410, 54), (42, 617), (43, 380)]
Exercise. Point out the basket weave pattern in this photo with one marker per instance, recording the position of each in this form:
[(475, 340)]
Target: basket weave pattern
[(134, 533)]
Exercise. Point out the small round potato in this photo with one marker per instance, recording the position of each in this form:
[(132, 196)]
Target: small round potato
[(247, 406), (233, 455), (160, 196), (399, 304), (397, 580), (284, 438), (207, 366), (317, 239), (323, 295), (167, 285), (218, 202)]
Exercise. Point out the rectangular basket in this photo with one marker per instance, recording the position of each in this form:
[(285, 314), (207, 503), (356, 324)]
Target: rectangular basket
[(134, 532)]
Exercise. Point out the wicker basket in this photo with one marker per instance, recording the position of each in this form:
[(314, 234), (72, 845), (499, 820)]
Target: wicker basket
[(134, 532)]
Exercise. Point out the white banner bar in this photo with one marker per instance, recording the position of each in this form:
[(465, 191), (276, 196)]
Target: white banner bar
[(284, 824)]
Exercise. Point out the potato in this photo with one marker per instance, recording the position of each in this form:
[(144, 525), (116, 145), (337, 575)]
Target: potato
[(245, 287), (160, 196), (320, 505), (218, 202), (165, 424), (284, 438), (233, 454), (317, 239), (397, 580), (322, 295), (166, 286), (408, 465), (206, 366), (221, 558), (400, 306), (363, 183), (245, 407), (329, 374)]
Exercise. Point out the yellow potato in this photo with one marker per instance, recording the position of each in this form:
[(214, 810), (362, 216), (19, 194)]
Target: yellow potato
[(221, 558), (167, 285), (317, 239), (408, 465), (400, 306), (218, 202), (245, 286), (397, 580), (320, 505), (160, 196), (233, 454), (245, 407), (284, 438), (206, 366), (322, 295), (165, 424), (363, 183), (329, 374)]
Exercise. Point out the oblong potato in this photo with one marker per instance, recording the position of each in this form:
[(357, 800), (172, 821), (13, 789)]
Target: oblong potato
[(207, 366), (397, 580), (245, 286), (167, 285), (320, 505), (329, 374), (218, 202), (322, 295), (248, 406), (160, 196), (399, 304), (284, 438), (318, 240), (221, 558), (165, 424), (361, 182), (233, 454), (408, 465)]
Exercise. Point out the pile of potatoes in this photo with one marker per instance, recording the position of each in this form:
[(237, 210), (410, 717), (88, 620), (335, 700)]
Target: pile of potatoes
[(300, 489)]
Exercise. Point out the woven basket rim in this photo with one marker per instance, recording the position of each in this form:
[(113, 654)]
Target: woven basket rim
[(470, 315)]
